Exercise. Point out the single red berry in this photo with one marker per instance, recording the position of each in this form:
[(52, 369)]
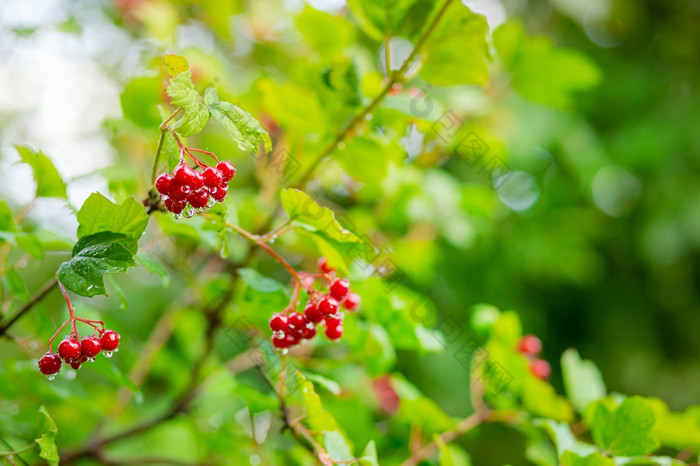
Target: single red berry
[(165, 184), (540, 369), (530, 345), (328, 305), (197, 180), (50, 364), (279, 342), (278, 322), (219, 193), (175, 207), (77, 363), (90, 347), (334, 321), (313, 313), (339, 288), (213, 177), (180, 192), (297, 320), (184, 175), (309, 332), (323, 265), (110, 340), (334, 332), (351, 301), (293, 339), (227, 170), (199, 198), (69, 349)]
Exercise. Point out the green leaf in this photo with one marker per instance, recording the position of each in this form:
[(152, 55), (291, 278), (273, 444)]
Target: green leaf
[(541, 72), (48, 181), (30, 244), (327, 34), (362, 152), (175, 64), (154, 267), (330, 385), (373, 16), (457, 52), (95, 256), (540, 398), (183, 94), (302, 209), (47, 440), (140, 99), (677, 430), (369, 455), (451, 455), (7, 218), (258, 282), (627, 431), (317, 418), (564, 439), (582, 380), (594, 459), (99, 214), (245, 130), (336, 446)]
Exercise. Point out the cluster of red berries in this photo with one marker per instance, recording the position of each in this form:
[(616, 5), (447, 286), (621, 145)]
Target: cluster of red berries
[(75, 352), (530, 346), (322, 309), (187, 190)]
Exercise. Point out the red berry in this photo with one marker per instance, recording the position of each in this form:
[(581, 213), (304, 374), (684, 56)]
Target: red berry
[(110, 340), (197, 180), (334, 332), (184, 175), (227, 170), (540, 369), (175, 207), (297, 320), (199, 198), (339, 288), (213, 177), (309, 332), (69, 349), (313, 313), (278, 322), (530, 345), (165, 183), (327, 305), (293, 339), (77, 363), (180, 192), (90, 347), (279, 342), (351, 301), (50, 364), (323, 265), (219, 193), (334, 321)]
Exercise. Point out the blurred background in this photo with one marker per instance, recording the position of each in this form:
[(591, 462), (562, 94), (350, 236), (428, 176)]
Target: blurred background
[(593, 237)]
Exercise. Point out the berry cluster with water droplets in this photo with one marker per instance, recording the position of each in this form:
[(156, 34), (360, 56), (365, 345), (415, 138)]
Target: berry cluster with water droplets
[(530, 346), (187, 190), (75, 351), (322, 310)]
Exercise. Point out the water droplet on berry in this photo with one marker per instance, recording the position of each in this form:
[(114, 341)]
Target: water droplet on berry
[(283, 351), (189, 211), (211, 202), (91, 359), (177, 216), (199, 210), (51, 376), (108, 354)]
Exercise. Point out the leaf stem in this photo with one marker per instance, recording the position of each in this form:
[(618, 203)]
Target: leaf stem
[(17, 452)]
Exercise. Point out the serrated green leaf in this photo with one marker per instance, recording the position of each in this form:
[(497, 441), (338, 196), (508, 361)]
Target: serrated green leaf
[(184, 95), (316, 417), (328, 34), (564, 439), (99, 214), (95, 256), (336, 446), (677, 430), (627, 430), (457, 51), (48, 181), (245, 130), (47, 440), (582, 380), (302, 209), (330, 385), (260, 283), (377, 17), (175, 64), (594, 459)]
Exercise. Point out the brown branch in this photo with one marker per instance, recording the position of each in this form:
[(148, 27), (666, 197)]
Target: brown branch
[(46, 289)]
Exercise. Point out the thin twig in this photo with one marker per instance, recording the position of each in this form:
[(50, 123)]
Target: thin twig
[(50, 285)]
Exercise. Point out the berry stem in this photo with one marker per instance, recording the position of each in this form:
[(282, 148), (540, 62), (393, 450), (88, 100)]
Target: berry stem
[(73, 330), (56, 334), (281, 260), (210, 154), (164, 128)]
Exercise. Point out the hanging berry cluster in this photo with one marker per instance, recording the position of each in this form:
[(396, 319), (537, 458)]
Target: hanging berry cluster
[(530, 346), (75, 350), (186, 190), (289, 327)]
